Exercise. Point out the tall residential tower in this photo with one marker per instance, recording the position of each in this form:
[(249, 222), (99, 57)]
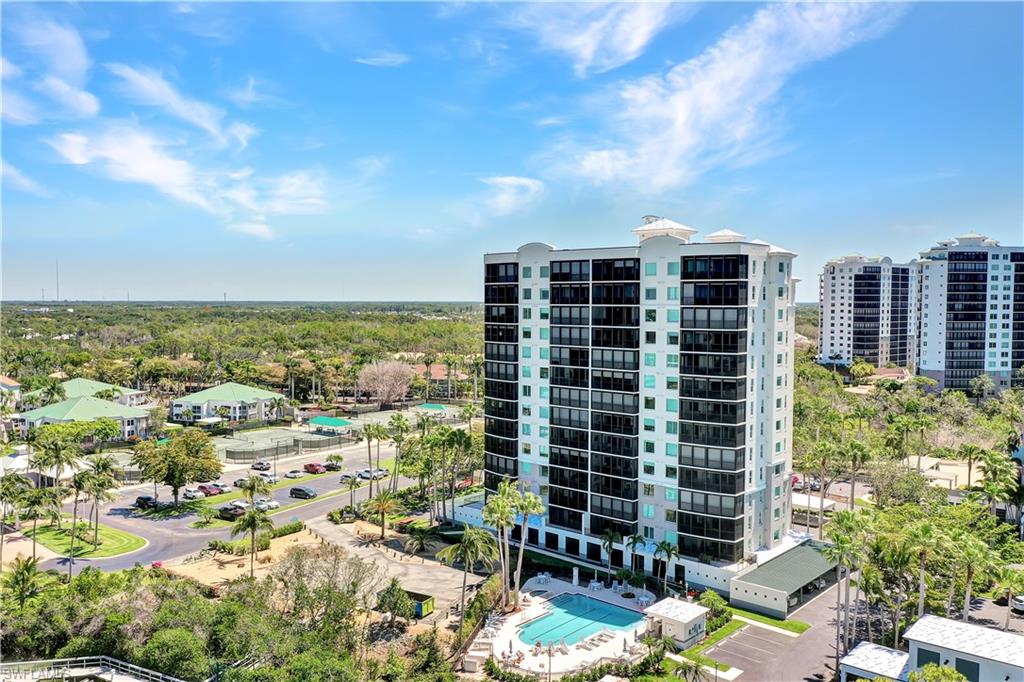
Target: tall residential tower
[(647, 390)]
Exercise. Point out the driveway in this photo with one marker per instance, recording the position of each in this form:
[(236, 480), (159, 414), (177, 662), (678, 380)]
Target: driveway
[(750, 649)]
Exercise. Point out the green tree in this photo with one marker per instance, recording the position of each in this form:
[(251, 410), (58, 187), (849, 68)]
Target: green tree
[(35, 502), (634, 543), (860, 370), (477, 546), (79, 485), (971, 454), (399, 428), (420, 538), (1009, 582), (254, 486), (499, 513), (252, 522), (385, 504), (12, 491), (352, 484), (981, 386), (609, 538), (932, 672), (188, 457), (526, 504), (103, 478), (395, 601), (668, 551), (178, 652), (24, 580)]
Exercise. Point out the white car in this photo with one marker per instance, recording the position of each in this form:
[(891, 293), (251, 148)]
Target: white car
[(269, 478), (224, 487), (240, 504), (266, 504), (1017, 604), (193, 494), (295, 473)]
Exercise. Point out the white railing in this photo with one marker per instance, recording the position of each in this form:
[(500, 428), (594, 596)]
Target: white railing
[(37, 669)]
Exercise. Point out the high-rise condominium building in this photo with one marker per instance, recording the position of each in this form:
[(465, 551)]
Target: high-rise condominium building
[(971, 312), (645, 390), (867, 311)]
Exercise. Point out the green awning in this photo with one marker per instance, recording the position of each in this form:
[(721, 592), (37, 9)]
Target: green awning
[(793, 569), (431, 406), (332, 422)]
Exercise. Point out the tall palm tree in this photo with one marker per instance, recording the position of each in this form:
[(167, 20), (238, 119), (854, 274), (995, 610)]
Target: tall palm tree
[(429, 360), (35, 502), (253, 486), (290, 364), (103, 478), (277, 406), (79, 484), (24, 580), (978, 559), (56, 455), (12, 491), (253, 521), (53, 392), (386, 503), (353, 484), (366, 434), (839, 552), (527, 504), (634, 543), (477, 546), (925, 538), (668, 550), (499, 513), (450, 363), (609, 538), (398, 427), (856, 456), (970, 453), (1009, 582), (459, 445)]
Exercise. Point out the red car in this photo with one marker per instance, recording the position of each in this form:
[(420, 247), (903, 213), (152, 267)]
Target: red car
[(209, 490), (315, 468)]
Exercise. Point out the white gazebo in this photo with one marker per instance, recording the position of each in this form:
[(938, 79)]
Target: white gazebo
[(683, 621)]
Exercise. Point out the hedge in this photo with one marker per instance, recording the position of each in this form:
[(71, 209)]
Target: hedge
[(242, 547), (646, 666), (480, 605)]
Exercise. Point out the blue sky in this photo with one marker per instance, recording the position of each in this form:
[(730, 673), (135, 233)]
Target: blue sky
[(375, 151)]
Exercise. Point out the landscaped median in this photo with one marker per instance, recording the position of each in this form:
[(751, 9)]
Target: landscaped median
[(112, 542), (696, 652)]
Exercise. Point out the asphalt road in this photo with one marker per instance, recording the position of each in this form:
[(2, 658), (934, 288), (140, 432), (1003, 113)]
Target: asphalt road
[(170, 536)]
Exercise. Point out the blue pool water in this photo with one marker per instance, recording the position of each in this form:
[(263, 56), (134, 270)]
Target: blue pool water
[(575, 617)]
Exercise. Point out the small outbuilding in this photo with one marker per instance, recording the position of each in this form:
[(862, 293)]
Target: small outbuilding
[(781, 583), (683, 621)]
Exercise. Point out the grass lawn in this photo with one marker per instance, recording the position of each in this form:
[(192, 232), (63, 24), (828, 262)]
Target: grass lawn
[(797, 626), (112, 542), (696, 652)]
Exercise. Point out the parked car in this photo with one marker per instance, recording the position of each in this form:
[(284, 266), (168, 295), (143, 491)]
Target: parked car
[(365, 474), (345, 478), (381, 473), (223, 487), (266, 504), (798, 485), (193, 494), (333, 466), (375, 474), (209, 489), (303, 492), (314, 468), (239, 503), (260, 465), (146, 502), (294, 473), (230, 513), (269, 478), (1017, 604), (205, 478), (815, 486), (239, 482)]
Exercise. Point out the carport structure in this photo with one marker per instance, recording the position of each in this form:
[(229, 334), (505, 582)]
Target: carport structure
[(781, 584)]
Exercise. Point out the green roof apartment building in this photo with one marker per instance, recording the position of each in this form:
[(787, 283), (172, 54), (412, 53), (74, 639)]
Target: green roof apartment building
[(80, 387), (244, 403), (134, 421)]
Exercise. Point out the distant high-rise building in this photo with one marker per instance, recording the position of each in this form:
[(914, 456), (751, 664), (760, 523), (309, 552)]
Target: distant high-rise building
[(645, 390), (952, 314), (867, 311), (971, 312)]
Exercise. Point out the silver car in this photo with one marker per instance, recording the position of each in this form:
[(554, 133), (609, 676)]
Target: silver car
[(193, 494), (240, 504), (266, 504)]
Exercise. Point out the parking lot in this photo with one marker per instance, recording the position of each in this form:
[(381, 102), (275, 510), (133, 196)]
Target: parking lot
[(749, 649)]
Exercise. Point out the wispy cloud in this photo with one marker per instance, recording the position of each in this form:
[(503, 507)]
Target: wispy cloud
[(383, 59), (19, 110), (9, 70), (597, 37), (253, 229), (13, 177), (662, 131), (251, 93), (77, 102), (59, 46), (548, 121), (149, 87), (511, 193)]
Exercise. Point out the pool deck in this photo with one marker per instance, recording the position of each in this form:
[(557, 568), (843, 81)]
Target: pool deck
[(503, 637)]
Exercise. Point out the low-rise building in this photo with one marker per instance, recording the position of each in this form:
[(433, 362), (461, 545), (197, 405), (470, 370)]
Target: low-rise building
[(79, 387), (134, 421), (685, 622), (978, 653), (10, 390), (242, 403)]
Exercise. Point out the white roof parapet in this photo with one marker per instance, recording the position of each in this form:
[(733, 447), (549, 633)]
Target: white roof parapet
[(675, 609), (878, 660), (656, 226), (967, 638), (725, 235)]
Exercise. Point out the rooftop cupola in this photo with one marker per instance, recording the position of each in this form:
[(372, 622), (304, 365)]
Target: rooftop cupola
[(656, 226)]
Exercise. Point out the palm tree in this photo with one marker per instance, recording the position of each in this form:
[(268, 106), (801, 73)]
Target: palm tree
[(53, 392), (103, 478), (34, 503), (459, 445), (839, 552), (527, 504), (668, 550), (277, 406), (689, 670), (609, 538), (978, 558), (335, 458), (476, 546), (79, 484), (971, 454), (56, 455), (353, 484), (924, 537), (290, 364), (385, 504), (399, 428), (255, 485), (24, 580), (12, 490), (633, 543), (429, 360), (420, 538), (476, 366), (856, 456), (253, 521), (499, 513), (1009, 582)]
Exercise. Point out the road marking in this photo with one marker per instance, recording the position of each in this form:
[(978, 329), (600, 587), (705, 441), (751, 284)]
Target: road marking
[(737, 655), (751, 646)]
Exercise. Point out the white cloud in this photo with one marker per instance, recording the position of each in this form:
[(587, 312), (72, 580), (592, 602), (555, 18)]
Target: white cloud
[(714, 109), (242, 133), (253, 229), (59, 46), (75, 101), (511, 193), (299, 192), (17, 109), (597, 37), (18, 180), (129, 154), (149, 87), (384, 59), (551, 121), (245, 96), (8, 69)]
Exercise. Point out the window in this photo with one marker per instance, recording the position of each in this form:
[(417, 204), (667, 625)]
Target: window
[(782, 267), (527, 313), (673, 267), (650, 360), (526, 391), (649, 447), (968, 669), (650, 337), (544, 430), (670, 516), (649, 471), (671, 428), (648, 424), (648, 490), (527, 334), (544, 294), (544, 271), (545, 412), (650, 403), (671, 472), (544, 353), (650, 315), (650, 294), (671, 405), (527, 351), (527, 272), (926, 656), (673, 315), (648, 511), (650, 381), (673, 338), (526, 429), (527, 293), (672, 383), (672, 360), (673, 293), (671, 494), (544, 314), (527, 372), (650, 269)]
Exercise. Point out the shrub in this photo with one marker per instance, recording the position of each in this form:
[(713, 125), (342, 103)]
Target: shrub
[(718, 622), (714, 602), (287, 529), (645, 666), (479, 606)]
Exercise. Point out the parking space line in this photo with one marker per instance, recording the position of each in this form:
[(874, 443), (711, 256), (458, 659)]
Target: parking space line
[(767, 640), (736, 655), (751, 646)]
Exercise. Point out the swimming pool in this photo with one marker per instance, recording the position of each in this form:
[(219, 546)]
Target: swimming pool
[(575, 617)]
